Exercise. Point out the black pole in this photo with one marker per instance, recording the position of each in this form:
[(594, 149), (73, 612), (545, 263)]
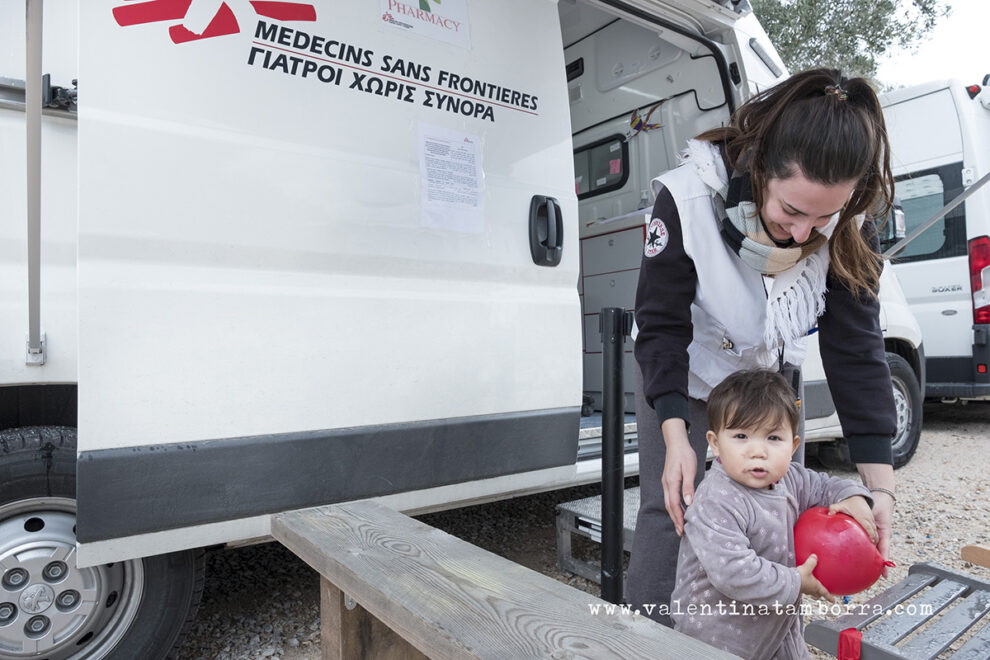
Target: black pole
[(615, 325)]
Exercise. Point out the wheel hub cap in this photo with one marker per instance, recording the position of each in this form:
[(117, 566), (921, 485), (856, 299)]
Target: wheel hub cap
[(37, 598)]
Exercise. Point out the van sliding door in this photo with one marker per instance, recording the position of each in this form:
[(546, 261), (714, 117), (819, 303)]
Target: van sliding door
[(305, 270)]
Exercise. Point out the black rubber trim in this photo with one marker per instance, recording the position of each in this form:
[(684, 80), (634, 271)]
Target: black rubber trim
[(136, 490), (625, 113), (952, 370), (953, 390), (626, 165), (591, 34)]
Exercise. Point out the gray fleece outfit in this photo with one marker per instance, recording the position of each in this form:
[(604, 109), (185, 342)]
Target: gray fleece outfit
[(738, 555)]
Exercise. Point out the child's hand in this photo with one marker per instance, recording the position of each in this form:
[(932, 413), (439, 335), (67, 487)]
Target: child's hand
[(809, 583), (857, 507)]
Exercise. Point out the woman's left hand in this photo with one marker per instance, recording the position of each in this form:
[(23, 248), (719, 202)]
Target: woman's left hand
[(883, 513), (857, 507), (880, 475)]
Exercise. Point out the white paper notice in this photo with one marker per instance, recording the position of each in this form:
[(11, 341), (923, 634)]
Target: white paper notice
[(452, 183)]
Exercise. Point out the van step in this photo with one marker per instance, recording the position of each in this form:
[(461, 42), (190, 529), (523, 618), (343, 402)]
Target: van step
[(584, 518), (590, 436)]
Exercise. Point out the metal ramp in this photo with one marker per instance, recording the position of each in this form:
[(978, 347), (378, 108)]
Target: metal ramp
[(918, 618), (584, 518)]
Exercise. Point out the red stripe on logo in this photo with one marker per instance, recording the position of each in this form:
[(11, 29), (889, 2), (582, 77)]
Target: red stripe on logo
[(284, 11), (223, 23), (151, 12)]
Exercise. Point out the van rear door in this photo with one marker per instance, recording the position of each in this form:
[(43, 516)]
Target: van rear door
[(641, 87), (305, 265)]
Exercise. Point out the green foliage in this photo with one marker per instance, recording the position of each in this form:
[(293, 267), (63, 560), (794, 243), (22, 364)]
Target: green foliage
[(847, 34)]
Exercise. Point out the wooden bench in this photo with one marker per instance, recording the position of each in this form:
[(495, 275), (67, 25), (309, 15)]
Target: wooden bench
[(393, 587), (920, 616)]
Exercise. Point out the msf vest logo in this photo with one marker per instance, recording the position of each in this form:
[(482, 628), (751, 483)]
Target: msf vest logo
[(205, 19)]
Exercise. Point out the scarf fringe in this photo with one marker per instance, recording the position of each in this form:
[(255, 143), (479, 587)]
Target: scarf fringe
[(792, 311)]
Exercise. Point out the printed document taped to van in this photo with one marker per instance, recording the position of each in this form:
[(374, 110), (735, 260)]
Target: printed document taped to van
[(450, 172)]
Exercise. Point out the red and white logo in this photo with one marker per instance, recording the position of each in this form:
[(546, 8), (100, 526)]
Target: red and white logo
[(656, 238), (204, 19)]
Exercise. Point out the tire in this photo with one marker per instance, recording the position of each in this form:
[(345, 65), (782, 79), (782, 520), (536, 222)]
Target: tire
[(908, 404), (138, 608), (834, 455)]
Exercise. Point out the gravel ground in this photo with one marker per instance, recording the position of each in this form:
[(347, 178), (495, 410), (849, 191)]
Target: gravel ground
[(262, 602)]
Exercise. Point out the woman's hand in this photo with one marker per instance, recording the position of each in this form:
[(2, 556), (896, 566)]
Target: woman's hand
[(880, 475), (679, 471), (883, 512), (857, 507)]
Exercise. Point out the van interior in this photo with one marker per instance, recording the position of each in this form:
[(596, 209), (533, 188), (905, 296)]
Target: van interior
[(638, 91)]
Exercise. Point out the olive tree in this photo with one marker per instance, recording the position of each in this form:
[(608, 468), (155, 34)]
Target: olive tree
[(847, 34)]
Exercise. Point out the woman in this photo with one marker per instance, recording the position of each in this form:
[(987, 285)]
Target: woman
[(754, 240)]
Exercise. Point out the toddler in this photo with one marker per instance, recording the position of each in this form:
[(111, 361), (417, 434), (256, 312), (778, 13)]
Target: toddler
[(738, 587)]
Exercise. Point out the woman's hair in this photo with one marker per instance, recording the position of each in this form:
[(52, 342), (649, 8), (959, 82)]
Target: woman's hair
[(832, 130), (757, 398)]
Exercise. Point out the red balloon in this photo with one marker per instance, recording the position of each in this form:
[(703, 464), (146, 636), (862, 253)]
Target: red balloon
[(848, 562)]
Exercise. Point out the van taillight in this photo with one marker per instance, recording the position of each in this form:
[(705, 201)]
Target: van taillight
[(979, 275)]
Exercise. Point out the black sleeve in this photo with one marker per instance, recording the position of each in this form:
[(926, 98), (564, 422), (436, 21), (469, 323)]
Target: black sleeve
[(667, 283), (856, 367)]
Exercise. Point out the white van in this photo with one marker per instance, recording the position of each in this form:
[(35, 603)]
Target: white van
[(940, 147), (291, 253)]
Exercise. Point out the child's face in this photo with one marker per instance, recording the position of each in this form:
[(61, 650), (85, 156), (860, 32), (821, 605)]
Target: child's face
[(756, 457)]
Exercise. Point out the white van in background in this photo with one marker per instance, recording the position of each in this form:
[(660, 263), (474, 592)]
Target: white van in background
[(293, 253), (940, 147)]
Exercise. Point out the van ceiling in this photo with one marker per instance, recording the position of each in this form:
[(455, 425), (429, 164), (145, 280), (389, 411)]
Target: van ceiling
[(578, 20)]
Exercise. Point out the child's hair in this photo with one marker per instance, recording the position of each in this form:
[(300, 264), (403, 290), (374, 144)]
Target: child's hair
[(756, 398), (832, 129)]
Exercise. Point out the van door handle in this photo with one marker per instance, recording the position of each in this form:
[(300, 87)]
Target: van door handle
[(546, 231)]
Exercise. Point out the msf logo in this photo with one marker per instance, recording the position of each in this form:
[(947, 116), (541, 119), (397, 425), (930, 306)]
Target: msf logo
[(204, 19)]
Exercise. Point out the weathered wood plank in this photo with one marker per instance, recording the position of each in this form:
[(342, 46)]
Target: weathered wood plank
[(978, 554), (894, 628), (935, 639), (453, 600)]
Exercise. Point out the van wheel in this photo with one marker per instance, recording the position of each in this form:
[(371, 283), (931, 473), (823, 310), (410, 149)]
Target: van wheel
[(908, 404), (49, 607), (908, 407), (834, 455)]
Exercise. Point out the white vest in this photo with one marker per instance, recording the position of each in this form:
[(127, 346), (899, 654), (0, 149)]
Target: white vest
[(730, 309)]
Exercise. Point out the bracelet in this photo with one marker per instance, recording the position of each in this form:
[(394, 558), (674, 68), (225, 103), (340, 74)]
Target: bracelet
[(884, 490)]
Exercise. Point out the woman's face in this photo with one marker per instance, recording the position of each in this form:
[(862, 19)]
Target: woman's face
[(792, 207)]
